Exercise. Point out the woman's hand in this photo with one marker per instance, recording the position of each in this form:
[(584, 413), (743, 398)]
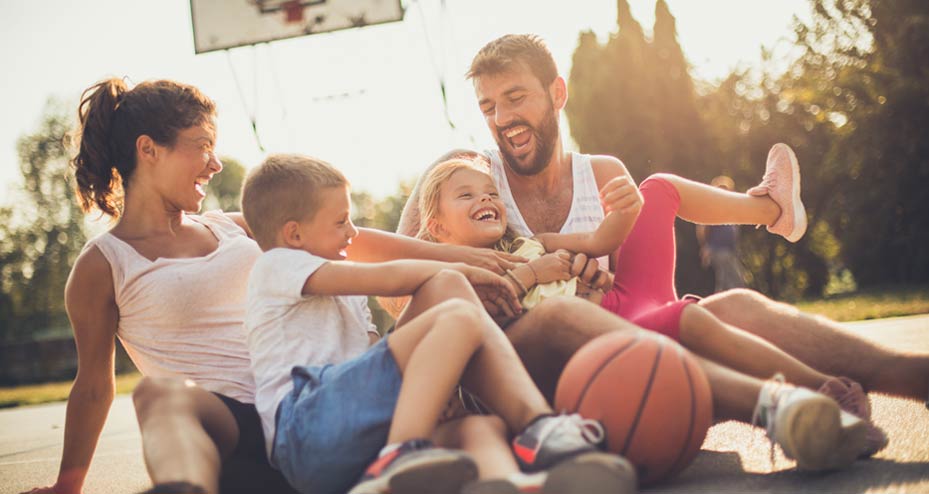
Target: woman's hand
[(552, 267)]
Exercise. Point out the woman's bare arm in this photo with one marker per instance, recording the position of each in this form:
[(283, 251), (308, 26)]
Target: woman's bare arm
[(91, 305)]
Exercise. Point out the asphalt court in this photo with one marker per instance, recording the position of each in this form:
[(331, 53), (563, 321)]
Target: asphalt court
[(735, 457)]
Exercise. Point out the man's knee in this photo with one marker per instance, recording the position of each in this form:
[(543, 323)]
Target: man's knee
[(735, 299)]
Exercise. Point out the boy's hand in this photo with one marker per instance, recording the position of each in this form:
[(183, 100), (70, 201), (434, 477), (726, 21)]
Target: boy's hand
[(498, 297), (552, 267), (621, 194), (493, 260)]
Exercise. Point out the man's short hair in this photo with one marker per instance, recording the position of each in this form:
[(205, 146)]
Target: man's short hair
[(505, 52), (285, 187)]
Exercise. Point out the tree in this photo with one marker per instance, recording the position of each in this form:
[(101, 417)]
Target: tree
[(42, 237), (865, 68), (225, 189)]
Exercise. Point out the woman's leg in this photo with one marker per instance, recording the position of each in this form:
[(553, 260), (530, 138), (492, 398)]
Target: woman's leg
[(186, 431), (702, 333)]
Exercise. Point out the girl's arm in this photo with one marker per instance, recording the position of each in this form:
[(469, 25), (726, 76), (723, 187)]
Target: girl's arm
[(91, 306), (622, 202)]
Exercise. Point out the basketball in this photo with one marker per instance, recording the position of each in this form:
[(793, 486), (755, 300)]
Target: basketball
[(650, 395)]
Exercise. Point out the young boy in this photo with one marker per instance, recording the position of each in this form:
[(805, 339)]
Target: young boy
[(332, 395)]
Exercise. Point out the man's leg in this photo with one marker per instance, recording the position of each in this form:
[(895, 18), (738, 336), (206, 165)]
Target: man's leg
[(824, 344), (548, 336), (186, 431)]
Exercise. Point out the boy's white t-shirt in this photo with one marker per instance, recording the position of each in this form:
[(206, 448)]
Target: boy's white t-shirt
[(286, 328)]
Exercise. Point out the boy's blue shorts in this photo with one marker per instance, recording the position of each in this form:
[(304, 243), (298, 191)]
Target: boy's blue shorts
[(336, 420)]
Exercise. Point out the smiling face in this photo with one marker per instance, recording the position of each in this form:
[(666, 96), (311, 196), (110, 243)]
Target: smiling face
[(187, 167), (470, 211), (520, 113), (330, 230)]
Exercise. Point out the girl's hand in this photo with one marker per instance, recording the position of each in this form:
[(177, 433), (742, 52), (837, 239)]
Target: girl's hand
[(621, 194), (552, 267)]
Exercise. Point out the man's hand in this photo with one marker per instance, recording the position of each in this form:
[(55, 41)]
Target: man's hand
[(620, 194), (552, 267), (495, 292), (589, 273), (493, 260)]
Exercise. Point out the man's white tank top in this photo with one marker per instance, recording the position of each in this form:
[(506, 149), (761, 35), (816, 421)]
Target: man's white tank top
[(586, 213), (184, 318)]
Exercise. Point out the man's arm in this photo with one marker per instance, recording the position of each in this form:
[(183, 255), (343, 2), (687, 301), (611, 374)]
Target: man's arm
[(409, 218)]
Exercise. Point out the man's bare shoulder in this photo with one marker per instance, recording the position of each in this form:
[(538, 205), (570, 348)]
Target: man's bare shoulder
[(607, 168)]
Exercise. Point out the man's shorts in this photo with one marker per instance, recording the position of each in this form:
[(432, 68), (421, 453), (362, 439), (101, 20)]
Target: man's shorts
[(336, 420)]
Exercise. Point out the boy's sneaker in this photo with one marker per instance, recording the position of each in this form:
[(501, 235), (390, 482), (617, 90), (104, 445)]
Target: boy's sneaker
[(417, 467), (588, 473), (592, 473), (781, 182), (809, 427), (551, 439), (851, 397)]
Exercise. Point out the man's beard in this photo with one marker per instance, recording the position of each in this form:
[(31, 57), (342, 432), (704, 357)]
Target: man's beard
[(545, 137)]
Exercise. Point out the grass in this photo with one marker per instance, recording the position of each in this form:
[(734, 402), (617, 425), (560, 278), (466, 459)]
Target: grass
[(34, 394), (871, 304)]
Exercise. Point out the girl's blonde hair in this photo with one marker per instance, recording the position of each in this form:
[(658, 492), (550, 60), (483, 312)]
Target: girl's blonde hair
[(430, 196)]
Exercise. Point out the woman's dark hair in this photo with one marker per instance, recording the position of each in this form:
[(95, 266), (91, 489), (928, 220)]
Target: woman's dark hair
[(112, 117)]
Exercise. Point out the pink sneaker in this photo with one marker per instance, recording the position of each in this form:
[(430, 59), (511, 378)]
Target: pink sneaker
[(781, 182), (851, 397)]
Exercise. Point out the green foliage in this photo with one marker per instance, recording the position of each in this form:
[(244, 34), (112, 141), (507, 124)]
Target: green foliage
[(225, 189), (383, 214), (42, 236), (854, 107)]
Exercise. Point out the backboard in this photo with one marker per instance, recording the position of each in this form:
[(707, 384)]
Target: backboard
[(221, 24)]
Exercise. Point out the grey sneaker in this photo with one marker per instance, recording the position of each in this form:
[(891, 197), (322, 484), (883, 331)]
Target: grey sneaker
[(809, 427), (417, 467), (550, 439), (589, 473)]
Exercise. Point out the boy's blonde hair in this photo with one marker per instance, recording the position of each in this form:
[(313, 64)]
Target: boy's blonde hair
[(285, 187), (430, 195)]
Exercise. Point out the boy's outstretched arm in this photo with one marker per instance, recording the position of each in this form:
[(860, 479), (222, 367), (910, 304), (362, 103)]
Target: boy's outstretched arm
[(404, 277), (372, 245)]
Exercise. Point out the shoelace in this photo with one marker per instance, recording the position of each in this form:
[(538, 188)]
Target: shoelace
[(769, 391), (591, 430)]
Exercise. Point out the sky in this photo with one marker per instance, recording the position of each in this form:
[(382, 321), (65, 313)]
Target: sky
[(366, 100)]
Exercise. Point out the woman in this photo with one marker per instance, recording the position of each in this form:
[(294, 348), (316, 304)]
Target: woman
[(171, 286)]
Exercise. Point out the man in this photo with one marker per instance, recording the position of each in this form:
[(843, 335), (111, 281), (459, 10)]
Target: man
[(719, 247), (521, 95)]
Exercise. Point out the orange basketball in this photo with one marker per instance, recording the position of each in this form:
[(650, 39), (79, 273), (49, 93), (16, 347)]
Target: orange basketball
[(648, 392)]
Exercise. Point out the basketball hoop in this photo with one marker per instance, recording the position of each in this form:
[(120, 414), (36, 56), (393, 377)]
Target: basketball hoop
[(293, 11)]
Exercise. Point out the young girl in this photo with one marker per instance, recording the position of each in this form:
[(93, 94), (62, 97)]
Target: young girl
[(459, 204)]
